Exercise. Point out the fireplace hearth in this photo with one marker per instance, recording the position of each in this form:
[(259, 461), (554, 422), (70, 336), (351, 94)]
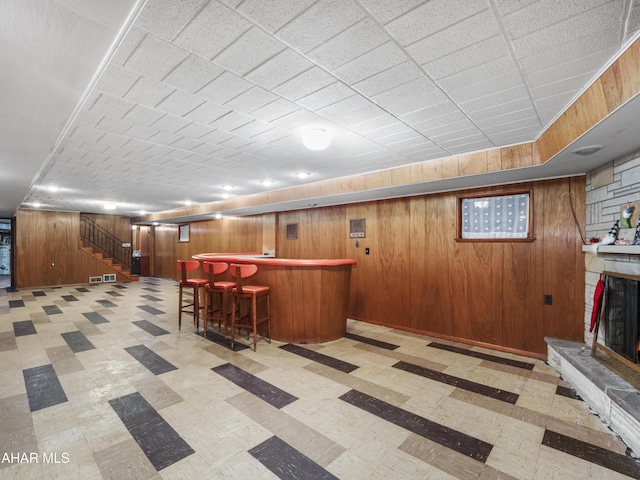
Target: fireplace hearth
[(620, 321)]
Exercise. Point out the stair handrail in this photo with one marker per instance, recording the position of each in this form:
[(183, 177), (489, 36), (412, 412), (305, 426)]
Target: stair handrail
[(105, 241)]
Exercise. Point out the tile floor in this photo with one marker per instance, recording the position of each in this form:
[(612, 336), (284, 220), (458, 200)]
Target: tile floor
[(97, 382)]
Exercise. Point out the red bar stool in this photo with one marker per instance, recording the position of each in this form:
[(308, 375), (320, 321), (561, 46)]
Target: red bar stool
[(193, 283), (250, 320), (216, 295)]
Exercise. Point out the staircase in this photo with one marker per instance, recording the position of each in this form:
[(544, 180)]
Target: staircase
[(106, 247)]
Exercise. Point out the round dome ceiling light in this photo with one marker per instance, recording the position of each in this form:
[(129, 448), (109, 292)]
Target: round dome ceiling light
[(589, 150), (316, 139)]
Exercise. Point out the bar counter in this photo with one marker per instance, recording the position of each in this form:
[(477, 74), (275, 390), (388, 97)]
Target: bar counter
[(308, 298)]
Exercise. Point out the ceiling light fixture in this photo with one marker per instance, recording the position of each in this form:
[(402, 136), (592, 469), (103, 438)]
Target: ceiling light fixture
[(228, 187), (53, 188), (218, 216), (302, 174), (109, 206), (316, 139), (267, 182), (588, 150), (188, 202), (225, 195), (36, 204)]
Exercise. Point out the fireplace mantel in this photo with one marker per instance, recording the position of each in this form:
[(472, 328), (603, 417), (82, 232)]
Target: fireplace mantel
[(615, 249)]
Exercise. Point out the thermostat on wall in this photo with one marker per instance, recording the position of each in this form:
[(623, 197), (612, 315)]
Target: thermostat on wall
[(357, 228)]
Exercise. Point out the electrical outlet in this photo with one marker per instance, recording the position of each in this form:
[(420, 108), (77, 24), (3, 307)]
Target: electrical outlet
[(548, 299), (366, 251)]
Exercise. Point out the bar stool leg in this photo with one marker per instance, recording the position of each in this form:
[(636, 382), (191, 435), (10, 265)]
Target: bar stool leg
[(180, 309)]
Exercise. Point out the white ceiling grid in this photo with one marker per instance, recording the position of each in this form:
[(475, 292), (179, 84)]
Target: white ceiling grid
[(202, 94)]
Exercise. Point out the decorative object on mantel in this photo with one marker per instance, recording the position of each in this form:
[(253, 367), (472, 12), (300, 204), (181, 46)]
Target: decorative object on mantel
[(612, 235), (636, 238), (625, 217), (593, 240)]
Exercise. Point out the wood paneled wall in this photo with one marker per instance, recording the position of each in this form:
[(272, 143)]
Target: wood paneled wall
[(417, 277), (43, 237), (114, 224), (225, 235)]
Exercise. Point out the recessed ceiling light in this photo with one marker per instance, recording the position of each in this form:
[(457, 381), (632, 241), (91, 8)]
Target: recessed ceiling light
[(109, 206), (225, 195), (188, 202), (155, 224), (267, 182), (588, 150), (218, 216), (53, 188), (142, 212), (36, 204), (228, 187), (302, 174), (316, 139)]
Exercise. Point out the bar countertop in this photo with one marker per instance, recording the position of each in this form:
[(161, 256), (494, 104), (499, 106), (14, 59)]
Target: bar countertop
[(258, 259)]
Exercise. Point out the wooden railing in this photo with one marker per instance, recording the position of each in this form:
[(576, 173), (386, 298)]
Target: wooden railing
[(104, 241)]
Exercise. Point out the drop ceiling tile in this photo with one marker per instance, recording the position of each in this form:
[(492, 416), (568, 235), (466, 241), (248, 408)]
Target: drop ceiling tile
[(154, 58), (388, 79), (567, 85), (494, 110), (187, 144), (129, 43), (373, 62), (205, 149), (471, 56), (141, 131), (304, 84), (170, 123), (428, 113), (177, 154), (512, 116), (385, 11), (224, 88), (115, 80), (137, 145), (159, 150), (111, 106), (562, 54), (253, 128), (137, 156), (251, 100), (195, 130), (273, 110), (486, 88), (277, 70), (236, 142), (113, 125), (357, 40), (165, 18), (500, 98), (165, 138), (559, 101), (589, 63), (530, 125), (271, 135), (359, 116), (193, 74), (326, 96), (477, 28), (319, 23), (249, 51), (116, 152), (450, 130), (473, 144), (540, 15), (606, 17), (345, 107), (216, 137), (272, 15), (509, 6), (207, 112), (412, 26), (231, 120), (148, 92), (87, 134), (410, 97), (374, 123), (294, 119), (391, 140), (143, 115), (491, 69), (180, 103)]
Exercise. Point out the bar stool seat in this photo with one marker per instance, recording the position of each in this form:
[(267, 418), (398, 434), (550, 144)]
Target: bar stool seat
[(251, 293), (216, 296), (195, 284)]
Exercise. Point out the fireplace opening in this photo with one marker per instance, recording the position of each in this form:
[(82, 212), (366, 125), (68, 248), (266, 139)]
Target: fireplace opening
[(620, 321)]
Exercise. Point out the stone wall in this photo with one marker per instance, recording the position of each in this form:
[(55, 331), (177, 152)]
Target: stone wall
[(608, 189)]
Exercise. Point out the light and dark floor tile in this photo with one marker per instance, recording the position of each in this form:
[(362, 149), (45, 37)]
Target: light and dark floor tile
[(150, 309), (95, 318), (151, 328), (483, 356), (371, 341), (320, 358), (51, 309), (77, 341), (24, 327), (43, 387), (150, 359)]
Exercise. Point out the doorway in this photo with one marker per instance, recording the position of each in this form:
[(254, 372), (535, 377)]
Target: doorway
[(5, 253)]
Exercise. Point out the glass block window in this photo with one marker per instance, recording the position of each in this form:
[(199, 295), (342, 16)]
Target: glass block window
[(504, 216)]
